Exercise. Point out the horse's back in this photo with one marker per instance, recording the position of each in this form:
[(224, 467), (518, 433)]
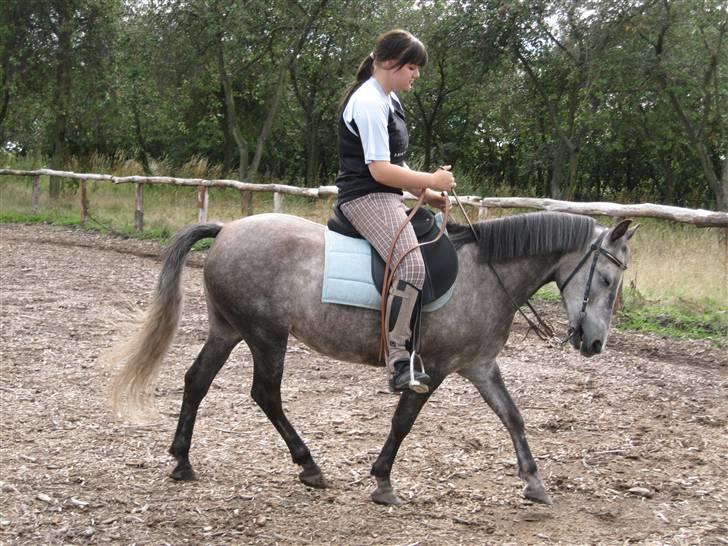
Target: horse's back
[(267, 270), (265, 259)]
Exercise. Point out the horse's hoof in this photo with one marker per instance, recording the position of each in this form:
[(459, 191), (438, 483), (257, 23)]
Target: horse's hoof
[(386, 495), (537, 493), (313, 479), (184, 473)]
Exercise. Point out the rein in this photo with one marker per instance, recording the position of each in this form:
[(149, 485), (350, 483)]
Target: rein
[(543, 328)]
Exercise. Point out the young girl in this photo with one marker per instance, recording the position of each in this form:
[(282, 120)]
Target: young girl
[(372, 145)]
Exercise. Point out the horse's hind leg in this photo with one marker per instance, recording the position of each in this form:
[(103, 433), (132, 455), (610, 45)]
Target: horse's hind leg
[(197, 382), (489, 382), (268, 358)]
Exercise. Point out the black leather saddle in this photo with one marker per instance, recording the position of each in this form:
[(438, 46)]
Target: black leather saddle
[(441, 260)]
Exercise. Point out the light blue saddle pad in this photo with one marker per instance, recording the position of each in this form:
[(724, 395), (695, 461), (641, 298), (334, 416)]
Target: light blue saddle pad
[(348, 274)]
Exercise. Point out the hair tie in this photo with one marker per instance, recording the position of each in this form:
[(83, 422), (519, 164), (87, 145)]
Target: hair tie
[(371, 55)]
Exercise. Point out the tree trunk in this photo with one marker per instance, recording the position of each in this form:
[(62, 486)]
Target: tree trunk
[(231, 114), (228, 147), (286, 66), (722, 195), (313, 149), (143, 155), (269, 118), (557, 174), (719, 187), (61, 96)]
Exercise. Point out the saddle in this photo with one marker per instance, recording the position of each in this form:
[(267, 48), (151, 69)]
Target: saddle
[(441, 260)]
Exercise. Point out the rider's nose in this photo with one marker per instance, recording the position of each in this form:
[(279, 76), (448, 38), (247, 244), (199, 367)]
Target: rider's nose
[(597, 347)]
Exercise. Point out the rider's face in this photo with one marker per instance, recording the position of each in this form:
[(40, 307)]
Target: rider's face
[(401, 78)]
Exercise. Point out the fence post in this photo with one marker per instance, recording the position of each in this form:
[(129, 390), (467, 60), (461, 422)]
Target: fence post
[(202, 201), (482, 213), (277, 202), (246, 203), (84, 202), (35, 195), (138, 206)]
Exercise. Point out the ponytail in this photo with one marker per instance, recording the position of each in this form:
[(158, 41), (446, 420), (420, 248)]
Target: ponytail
[(365, 71)]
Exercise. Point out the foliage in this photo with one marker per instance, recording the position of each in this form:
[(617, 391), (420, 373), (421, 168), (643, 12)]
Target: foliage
[(682, 319), (586, 100)]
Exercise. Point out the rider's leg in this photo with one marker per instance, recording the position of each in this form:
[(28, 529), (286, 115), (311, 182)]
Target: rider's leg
[(378, 217)]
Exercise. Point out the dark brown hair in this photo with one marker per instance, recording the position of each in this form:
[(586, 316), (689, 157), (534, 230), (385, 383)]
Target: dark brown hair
[(396, 44)]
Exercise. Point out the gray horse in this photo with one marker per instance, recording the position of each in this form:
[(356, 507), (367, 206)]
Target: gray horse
[(263, 280)]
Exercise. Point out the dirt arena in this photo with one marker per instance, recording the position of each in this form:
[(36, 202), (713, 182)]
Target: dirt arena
[(632, 445)]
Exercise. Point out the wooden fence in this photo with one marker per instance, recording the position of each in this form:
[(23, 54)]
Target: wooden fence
[(479, 205)]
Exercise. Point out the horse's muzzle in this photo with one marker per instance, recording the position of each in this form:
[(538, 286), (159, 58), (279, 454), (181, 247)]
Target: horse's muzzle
[(587, 348)]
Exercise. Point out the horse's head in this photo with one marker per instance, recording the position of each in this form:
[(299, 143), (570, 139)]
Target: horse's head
[(589, 282)]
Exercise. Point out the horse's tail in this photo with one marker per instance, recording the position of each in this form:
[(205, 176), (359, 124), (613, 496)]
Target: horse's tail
[(141, 355)]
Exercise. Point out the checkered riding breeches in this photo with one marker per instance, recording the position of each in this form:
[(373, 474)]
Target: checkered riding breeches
[(378, 216)]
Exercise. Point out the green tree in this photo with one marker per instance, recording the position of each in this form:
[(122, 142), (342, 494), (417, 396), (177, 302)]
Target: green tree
[(687, 63)]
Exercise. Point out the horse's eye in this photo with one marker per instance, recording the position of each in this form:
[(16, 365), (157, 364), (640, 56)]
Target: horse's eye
[(607, 282)]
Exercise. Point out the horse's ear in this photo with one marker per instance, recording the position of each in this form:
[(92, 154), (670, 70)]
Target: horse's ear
[(632, 231), (619, 230)]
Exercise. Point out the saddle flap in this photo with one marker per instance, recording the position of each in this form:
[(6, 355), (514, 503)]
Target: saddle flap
[(441, 263)]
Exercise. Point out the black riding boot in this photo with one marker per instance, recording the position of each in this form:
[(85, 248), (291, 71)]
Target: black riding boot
[(401, 310)]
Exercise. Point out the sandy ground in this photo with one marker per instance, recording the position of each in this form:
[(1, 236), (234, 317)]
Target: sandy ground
[(632, 444)]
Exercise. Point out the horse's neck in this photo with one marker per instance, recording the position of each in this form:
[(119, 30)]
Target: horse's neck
[(522, 277)]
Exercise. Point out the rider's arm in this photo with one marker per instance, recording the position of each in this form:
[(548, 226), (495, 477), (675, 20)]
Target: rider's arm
[(404, 178)]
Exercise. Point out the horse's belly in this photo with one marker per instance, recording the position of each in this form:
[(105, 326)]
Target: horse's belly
[(343, 333)]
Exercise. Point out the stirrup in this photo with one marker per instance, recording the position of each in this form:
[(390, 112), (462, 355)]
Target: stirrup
[(417, 380)]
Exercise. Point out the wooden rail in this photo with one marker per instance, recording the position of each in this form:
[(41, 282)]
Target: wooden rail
[(697, 217)]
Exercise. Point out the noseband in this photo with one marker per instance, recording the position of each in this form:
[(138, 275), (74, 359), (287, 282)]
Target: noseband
[(596, 249)]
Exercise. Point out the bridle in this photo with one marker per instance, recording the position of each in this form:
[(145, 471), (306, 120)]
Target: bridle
[(595, 251)]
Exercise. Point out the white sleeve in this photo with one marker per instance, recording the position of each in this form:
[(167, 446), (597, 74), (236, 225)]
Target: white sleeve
[(371, 117)]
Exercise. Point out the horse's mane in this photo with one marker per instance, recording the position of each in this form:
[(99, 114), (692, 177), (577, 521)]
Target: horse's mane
[(522, 235)]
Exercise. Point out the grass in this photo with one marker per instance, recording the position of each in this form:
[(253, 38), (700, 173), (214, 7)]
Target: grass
[(677, 283), (680, 319)]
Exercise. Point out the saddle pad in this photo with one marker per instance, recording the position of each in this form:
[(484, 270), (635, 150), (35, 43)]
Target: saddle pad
[(348, 274)]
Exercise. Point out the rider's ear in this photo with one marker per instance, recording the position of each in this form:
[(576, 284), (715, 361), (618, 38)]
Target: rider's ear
[(619, 230), (632, 231)]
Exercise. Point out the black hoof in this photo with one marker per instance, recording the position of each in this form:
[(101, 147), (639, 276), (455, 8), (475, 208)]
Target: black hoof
[(313, 479), (183, 473)]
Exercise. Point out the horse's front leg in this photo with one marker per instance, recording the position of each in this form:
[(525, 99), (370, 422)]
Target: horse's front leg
[(489, 382), (409, 406)]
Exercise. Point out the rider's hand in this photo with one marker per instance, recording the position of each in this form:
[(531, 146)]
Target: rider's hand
[(443, 179), (437, 200)]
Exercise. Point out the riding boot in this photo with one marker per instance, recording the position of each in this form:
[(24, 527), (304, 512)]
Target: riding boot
[(400, 314)]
